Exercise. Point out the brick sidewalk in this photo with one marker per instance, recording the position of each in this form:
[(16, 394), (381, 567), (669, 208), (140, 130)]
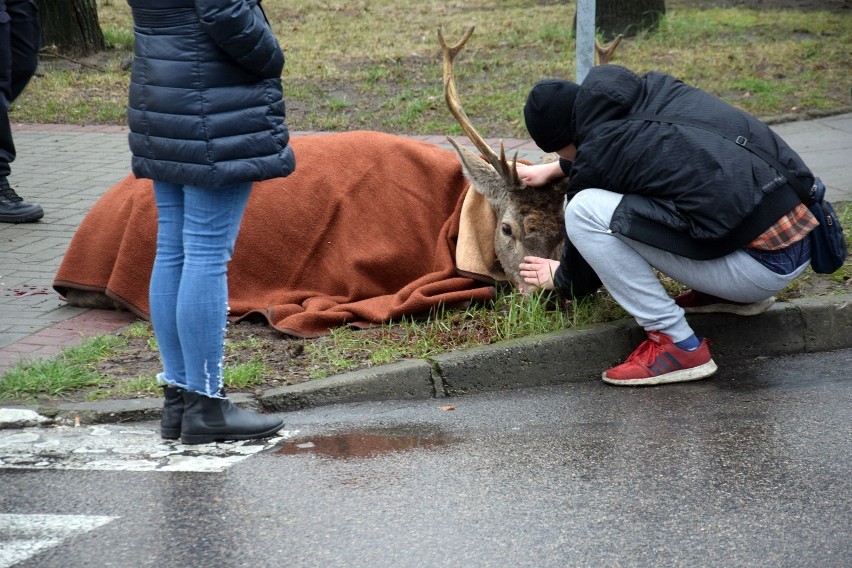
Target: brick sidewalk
[(50, 341)]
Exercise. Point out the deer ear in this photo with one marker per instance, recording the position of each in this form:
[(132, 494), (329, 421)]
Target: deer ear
[(483, 177)]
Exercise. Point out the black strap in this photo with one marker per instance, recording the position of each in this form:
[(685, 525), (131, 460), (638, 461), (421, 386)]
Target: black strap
[(805, 193)]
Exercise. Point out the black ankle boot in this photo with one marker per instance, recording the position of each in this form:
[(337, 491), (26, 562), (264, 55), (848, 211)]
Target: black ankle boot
[(13, 209), (208, 419), (172, 416)]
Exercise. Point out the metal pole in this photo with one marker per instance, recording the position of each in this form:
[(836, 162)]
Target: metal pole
[(585, 45)]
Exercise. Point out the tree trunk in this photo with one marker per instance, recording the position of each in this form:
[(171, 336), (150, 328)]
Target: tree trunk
[(628, 17), (71, 25)]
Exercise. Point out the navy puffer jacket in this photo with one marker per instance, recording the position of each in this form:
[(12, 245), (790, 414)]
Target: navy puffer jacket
[(708, 196), (206, 106)]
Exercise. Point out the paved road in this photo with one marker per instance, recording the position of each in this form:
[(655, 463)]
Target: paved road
[(749, 468)]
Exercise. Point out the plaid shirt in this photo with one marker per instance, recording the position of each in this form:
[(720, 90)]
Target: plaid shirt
[(790, 228)]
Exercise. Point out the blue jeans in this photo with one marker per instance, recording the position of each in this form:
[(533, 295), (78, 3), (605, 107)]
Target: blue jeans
[(197, 229)]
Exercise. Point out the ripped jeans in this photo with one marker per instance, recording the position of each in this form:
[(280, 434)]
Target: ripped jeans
[(197, 229)]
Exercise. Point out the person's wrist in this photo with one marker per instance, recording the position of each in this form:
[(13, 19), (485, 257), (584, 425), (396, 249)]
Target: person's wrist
[(556, 171)]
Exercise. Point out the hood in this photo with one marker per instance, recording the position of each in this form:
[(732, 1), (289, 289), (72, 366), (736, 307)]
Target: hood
[(607, 93)]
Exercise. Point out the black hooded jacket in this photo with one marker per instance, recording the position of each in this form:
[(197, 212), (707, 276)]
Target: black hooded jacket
[(687, 191)]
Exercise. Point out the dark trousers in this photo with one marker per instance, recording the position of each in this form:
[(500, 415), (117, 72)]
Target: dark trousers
[(20, 39)]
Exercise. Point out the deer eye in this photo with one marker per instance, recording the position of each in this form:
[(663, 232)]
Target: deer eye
[(507, 230)]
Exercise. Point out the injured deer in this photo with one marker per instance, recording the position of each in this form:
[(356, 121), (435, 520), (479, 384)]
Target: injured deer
[(529, 221)]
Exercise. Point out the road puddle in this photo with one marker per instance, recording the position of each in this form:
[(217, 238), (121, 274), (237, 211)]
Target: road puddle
[(365, 444)]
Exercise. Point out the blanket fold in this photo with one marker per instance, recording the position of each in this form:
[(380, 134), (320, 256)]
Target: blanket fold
[(363, 232)]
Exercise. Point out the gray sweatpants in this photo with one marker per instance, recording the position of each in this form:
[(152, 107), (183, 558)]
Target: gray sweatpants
[(626, 268)]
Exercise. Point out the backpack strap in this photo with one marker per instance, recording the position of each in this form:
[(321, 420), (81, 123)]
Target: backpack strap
[(806, 194)]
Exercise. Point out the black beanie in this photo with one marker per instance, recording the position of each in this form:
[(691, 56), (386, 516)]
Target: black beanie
[(549, 113)]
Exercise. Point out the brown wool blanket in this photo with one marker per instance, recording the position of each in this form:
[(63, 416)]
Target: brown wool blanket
[(365, 231)]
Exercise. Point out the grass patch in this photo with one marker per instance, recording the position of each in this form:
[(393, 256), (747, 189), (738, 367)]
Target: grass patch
[(52, 378), (144, 386), (259, 357), (71, 371), (361, 65), (118, 39), (513, 315), (246, 375), (76, 370)]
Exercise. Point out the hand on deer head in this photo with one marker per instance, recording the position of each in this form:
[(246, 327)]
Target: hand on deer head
[(539, 175), (529, 220)]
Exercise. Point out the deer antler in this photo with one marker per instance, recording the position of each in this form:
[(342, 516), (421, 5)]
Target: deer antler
[(451, 95), (605, 53)]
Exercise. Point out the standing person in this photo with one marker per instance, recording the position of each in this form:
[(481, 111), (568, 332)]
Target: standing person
[(20, 39), (646, 194), (206, 116)]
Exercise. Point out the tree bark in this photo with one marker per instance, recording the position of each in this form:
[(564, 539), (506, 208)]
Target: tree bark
[(628, 17), (71, 25)]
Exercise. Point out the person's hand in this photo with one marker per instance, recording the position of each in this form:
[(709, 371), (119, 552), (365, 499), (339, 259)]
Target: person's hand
[(540, 174), (537, 273)]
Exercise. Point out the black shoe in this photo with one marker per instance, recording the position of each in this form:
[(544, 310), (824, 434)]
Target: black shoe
[(13, 209), (208, 419), (172, 417)]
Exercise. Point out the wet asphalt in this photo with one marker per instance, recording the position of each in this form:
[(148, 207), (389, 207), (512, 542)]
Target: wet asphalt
[(748, 468)]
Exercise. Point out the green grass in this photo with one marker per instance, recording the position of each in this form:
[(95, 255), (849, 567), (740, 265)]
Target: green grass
[(145, 386), (75, 370), (246, 375), (376, 65), (55, 377), (118, 39), (512, 315)]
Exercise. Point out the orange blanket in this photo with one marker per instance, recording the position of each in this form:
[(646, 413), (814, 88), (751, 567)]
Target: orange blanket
[(363, 232)]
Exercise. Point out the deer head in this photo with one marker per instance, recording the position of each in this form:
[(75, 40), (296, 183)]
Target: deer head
[(529, 220)]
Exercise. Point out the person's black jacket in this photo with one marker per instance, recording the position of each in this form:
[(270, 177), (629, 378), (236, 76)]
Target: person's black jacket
[(206, 106), (687, 191)]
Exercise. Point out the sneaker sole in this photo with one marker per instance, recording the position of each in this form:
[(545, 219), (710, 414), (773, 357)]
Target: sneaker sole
[(682, 376), (746, 310)]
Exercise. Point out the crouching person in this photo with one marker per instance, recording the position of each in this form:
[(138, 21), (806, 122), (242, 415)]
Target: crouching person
[(660, 178)]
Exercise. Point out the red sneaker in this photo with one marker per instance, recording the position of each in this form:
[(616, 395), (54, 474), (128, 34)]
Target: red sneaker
[(657, 360), (695, 302)]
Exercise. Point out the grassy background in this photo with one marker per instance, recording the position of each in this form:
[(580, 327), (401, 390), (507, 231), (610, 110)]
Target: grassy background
[(376, 64)]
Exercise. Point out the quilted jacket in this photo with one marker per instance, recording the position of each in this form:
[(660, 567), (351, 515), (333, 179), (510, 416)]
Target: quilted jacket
[(206, 106)]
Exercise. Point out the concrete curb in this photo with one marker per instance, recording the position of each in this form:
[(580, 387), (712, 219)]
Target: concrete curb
[(802, 326), (807, 325)]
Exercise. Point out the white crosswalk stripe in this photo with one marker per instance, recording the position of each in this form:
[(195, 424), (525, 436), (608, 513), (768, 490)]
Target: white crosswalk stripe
[(120, 448), (24, 536)]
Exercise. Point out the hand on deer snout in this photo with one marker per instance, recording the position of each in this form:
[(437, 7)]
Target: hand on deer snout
[(537, 273)]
